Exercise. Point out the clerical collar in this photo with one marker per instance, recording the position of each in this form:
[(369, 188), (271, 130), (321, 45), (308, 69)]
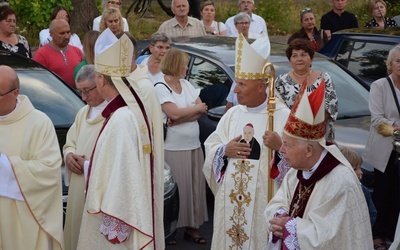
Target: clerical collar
[(95, 111), (309, 173), (260, 108)]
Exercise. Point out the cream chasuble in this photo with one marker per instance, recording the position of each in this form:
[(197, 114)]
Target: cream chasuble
[(81, 138), (242, 196), (336, 215), (28, 138)]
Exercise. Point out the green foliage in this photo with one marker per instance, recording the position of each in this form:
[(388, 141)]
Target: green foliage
[(35, 14)]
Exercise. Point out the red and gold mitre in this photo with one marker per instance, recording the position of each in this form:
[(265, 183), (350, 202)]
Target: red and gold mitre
[(307, 117)]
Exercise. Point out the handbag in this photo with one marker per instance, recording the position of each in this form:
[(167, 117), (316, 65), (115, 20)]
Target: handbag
[(165, 125)]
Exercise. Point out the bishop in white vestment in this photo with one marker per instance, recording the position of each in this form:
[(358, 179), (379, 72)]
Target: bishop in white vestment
[(240, 182)]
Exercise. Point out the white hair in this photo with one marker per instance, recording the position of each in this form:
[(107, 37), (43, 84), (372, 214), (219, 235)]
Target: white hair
[(173, 1)]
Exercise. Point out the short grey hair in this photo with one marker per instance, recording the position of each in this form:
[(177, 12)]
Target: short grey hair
[(160, 37), (390, 58), (239, 1), (105, 2), (241, 16), (173, 1), (87, 72)]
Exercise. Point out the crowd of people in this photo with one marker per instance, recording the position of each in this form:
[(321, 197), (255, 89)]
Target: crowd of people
[(142, 112)]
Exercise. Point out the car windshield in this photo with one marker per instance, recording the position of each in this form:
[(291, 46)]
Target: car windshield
[(352, 96), (50, 96)]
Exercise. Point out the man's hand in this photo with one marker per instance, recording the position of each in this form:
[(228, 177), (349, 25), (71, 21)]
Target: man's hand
[(236, 149), (75, 163), (278, 224), (272, 140)]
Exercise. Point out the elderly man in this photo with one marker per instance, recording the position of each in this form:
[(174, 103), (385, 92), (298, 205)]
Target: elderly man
[(182, 24), (257, 23), (58, 55), (30, 173), (338, 18), (78, 148), (240, 183), (124, 191), (320, 204), (160, 43)]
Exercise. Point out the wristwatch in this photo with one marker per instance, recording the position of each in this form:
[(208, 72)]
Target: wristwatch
[(214, 32)]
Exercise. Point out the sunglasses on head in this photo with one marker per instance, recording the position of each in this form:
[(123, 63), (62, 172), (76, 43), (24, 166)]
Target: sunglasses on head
[(305, 10)]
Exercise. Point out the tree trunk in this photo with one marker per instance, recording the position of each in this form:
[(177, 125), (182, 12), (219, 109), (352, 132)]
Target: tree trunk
[(82, 16)]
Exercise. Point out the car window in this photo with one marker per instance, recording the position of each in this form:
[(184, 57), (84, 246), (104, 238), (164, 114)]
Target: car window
[(344, 51), (212, 80), (49, 95), (367, 60)]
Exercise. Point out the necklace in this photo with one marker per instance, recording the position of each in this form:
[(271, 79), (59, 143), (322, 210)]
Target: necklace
[(302, 195), (170, 82), (302, 76)]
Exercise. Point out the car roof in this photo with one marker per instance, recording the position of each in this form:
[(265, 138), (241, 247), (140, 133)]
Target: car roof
[(370, 32), (222, 48), (17, 61)]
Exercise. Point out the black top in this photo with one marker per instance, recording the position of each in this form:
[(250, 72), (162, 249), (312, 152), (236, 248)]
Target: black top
[(389, 22), (333, 22), (320, 42)]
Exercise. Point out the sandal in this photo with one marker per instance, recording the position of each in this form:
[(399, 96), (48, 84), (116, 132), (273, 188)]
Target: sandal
[(198, 240), (171, 242), (380, 246)]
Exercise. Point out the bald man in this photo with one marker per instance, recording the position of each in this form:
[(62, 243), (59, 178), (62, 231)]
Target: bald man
[(58, 56), (30, 174)]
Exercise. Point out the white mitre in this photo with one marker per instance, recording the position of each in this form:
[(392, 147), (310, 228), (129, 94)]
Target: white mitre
[(113, 56), (250, 59)]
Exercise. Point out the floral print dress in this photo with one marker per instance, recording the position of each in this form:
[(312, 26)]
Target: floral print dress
[(287, 89), (22, 47)]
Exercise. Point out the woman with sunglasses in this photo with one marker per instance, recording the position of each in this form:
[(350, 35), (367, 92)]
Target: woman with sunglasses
[(309, 30), (105, 4)]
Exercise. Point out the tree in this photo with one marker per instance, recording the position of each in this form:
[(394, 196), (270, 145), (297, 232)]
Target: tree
[(82, 15)]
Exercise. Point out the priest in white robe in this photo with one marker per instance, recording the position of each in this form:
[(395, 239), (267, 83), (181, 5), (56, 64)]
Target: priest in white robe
[(240, 182), (320, 204), (30, 173), (122, 205), (77, 150)]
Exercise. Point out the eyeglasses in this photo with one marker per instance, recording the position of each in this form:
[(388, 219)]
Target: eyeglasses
[(115, 3), (8, 92), (243, 23), (305, 10), (85, 91)]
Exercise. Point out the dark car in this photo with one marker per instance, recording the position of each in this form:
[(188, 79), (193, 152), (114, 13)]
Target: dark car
[(211, 68), (49, 94), (363, 51)]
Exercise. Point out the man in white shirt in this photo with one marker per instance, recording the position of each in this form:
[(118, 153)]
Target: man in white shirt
[(257, 25)]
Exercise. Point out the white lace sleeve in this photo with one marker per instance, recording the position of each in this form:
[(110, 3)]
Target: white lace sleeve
[(219, 163)]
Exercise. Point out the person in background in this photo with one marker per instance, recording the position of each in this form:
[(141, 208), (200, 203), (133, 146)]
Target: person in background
[(257, 23), (88, 49), (181, 24), (181, 108), (58, 55), (8, 39), (44, 35), (379, 150), (77, 150), (309, 30), (105, 4), (379, 19), (338, 18), (112, 19), (356, 161), (320, 204), (242, 25), (300, 53), (31, 215), (160, 43), (207, 18), (235, 168)]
